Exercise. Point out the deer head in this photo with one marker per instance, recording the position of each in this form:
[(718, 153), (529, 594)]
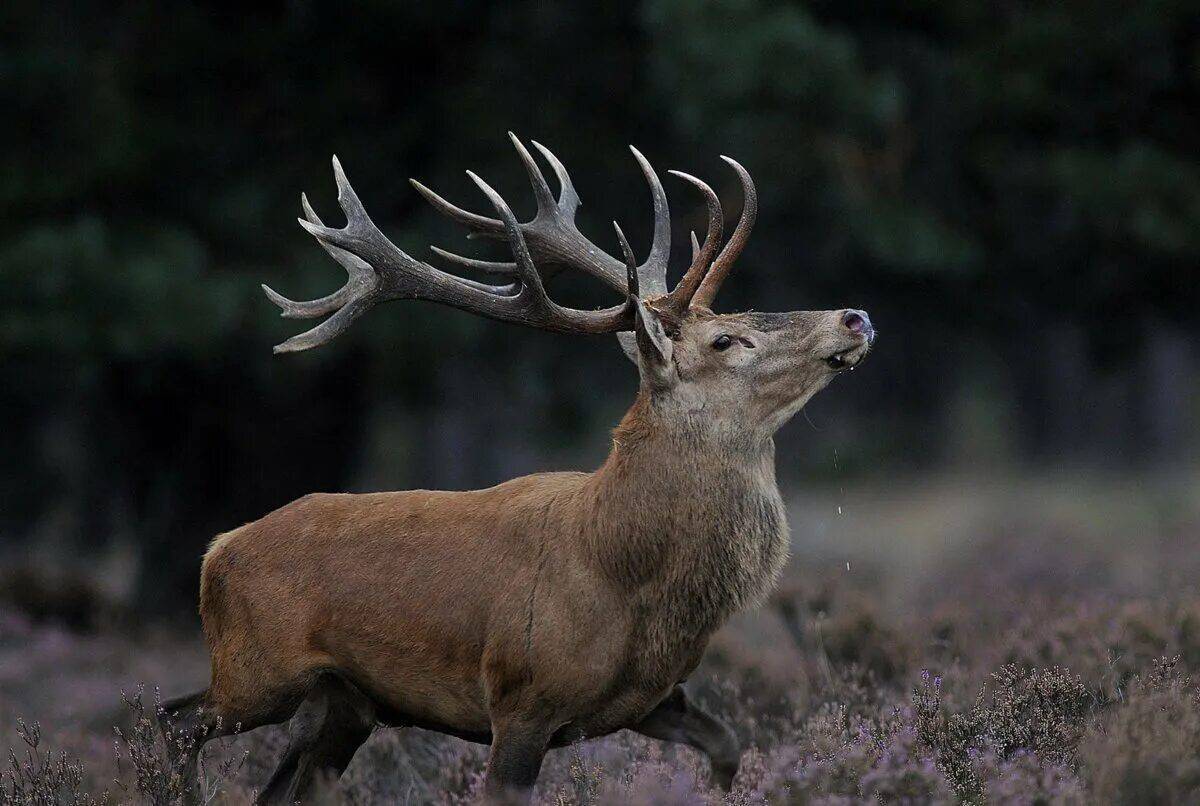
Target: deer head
[(745, 372)]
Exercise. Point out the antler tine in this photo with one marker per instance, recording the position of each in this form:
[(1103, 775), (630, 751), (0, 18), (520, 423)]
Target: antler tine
[(568, 199), (653, 272), (309, 212), (631, 272), (695, 246), (527, 273), (724, 263), (681, 296), (541, 191), (476, 223), (328, 330), (501, 267), (356, 214)]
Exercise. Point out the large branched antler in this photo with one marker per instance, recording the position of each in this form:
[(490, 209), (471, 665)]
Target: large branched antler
[(380, 271)]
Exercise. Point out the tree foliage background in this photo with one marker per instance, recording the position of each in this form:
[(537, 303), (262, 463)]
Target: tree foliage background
[(1011, 189)]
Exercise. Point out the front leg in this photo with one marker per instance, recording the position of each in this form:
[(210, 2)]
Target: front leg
[(518, 747), (679, 719)]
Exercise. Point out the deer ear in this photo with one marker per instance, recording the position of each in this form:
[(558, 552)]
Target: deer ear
[(654, 346), (649, 343)]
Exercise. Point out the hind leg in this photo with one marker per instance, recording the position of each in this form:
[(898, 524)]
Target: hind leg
[(328, 728), (187, 724)]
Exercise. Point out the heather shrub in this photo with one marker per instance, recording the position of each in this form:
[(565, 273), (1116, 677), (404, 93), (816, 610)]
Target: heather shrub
[(37, 776), (148, 758), (948, 736), (841, 757), (1023, 778), (1107, 643), (1040, 711), (1019, 737), (1147, 750), (901, 774)]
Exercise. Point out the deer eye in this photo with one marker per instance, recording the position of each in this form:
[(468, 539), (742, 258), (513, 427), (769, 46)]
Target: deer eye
[(722, 342)]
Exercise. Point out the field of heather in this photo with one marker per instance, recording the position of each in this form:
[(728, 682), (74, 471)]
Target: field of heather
[(1015, 641)]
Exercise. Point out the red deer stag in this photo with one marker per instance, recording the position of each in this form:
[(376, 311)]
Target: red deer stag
[(553, 607)]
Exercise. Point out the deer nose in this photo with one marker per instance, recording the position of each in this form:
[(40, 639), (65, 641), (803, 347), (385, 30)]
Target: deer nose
[(858, 322)]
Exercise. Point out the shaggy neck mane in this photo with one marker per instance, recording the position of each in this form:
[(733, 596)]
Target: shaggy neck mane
[(687, 520), (673, 462), (659, 428), (679, 500)]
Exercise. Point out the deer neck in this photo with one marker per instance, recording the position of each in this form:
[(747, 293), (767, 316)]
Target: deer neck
[(688, 518)]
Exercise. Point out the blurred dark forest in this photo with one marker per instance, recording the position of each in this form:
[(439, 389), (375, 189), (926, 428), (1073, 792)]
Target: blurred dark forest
[(1011, 189)]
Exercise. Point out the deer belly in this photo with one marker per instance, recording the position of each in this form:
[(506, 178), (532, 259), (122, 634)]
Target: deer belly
[(420, 676)]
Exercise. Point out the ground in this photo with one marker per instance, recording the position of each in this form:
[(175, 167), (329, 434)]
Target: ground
[(949, 640)]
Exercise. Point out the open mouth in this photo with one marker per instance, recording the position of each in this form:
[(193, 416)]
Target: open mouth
[(848, 358)]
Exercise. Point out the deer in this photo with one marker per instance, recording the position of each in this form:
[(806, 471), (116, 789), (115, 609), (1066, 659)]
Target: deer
[(548, 609)]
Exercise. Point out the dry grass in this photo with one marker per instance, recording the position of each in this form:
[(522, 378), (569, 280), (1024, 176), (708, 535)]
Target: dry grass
[(1016, 643)]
